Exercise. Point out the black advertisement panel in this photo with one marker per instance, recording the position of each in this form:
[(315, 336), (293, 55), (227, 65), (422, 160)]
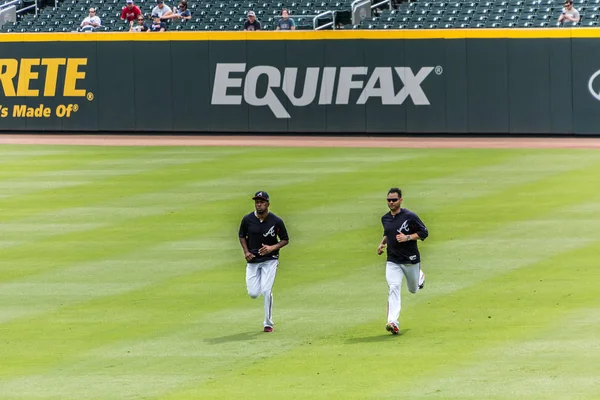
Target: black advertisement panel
[(277, 85)]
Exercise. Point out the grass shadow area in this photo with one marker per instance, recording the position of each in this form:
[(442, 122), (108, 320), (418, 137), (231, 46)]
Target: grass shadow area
[(376, 338), (238, 337)]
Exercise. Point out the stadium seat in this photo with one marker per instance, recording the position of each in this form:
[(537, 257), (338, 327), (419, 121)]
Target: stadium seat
[(231, 14)]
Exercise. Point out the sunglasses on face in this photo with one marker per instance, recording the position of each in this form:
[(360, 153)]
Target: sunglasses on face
[(392, 200)]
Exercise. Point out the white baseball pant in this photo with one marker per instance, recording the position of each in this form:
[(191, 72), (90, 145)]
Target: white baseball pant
[(394, 274), (259, 280)]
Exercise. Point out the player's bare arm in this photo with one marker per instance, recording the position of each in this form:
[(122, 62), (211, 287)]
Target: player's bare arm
[(264, 250), (382, 245), (249, 256)]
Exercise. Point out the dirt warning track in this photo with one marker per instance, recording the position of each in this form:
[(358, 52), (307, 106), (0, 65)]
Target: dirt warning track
[(303, 141)]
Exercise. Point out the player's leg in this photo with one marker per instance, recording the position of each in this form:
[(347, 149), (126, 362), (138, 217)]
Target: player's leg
[(253, 273), (413, 276), (269, 271), (393, 276)]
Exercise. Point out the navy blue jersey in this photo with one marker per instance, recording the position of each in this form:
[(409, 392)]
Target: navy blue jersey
[(407, 223), (157, 27), (258, 233)]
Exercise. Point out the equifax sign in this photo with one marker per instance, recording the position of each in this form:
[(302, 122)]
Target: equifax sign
[(323, 86)]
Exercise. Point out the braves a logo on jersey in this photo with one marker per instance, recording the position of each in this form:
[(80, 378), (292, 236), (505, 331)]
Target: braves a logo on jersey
[(270, 232), (404, 227)]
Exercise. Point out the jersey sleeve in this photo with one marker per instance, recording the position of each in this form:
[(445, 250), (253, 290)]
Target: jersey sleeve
[(243, 229), (282, 230), (419, 227), (123, 15)]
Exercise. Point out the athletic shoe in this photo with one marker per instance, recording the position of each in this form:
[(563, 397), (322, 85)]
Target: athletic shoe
[(422, 280), (268, 329), (391, 327)]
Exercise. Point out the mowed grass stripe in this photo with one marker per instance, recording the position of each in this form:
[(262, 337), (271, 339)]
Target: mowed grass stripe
[(533, 199), (542, 367), (15, 161), (209, 180), (524, 168), (469, 220), (560, 362), (83, 244), (303, 320), (526, 306), (44, 163), (329, 322), (331, 363), (102, 235), (154, 176), (253, 308), (140, 228)]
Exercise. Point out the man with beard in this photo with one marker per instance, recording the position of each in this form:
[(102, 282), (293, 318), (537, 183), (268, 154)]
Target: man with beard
[(261, 235)]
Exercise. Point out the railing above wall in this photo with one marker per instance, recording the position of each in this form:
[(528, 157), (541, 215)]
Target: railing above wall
[(20, 10), (326, 25)]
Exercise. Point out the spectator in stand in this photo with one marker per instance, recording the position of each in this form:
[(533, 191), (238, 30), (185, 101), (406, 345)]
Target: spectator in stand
[(252, 24), (90, 22), (569, 14), (286, 23), (157, 24), (130, 13), (181, 12), (140, 27), (161, 9)]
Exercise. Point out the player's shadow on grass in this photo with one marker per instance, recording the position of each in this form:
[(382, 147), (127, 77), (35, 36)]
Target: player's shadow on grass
[(238, 337), (377, 338)]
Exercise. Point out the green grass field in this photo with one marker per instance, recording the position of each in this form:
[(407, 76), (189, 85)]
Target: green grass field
[(121, 275)]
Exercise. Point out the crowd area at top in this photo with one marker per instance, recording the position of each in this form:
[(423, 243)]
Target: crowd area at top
[(162, 14)]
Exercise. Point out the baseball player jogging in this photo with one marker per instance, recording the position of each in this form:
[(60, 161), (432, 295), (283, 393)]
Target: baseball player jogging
[(401, 230), (259, 233)]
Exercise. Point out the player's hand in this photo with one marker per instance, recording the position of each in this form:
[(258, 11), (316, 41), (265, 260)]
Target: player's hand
[(264, 250), (380, 249), (401, 237), (249, 256)]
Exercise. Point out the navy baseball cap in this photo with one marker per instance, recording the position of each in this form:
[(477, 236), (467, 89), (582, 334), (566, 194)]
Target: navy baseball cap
[(261, 195)]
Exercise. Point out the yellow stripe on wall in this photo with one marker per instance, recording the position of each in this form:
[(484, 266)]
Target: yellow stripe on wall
[(485, 33)]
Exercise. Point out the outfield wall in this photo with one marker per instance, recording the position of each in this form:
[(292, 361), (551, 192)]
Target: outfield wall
[(375, 82)]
